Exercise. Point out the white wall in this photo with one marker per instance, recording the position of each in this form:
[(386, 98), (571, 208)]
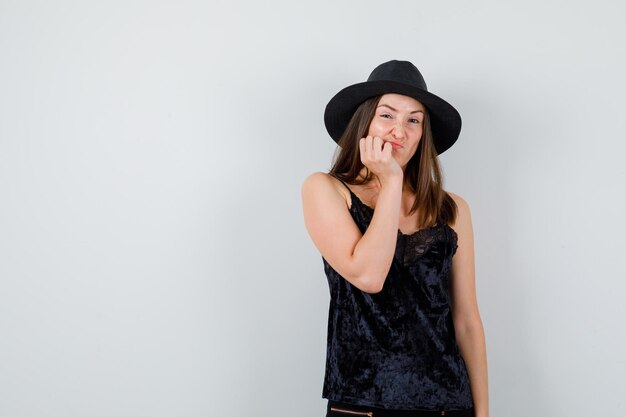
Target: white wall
[(153, 255)]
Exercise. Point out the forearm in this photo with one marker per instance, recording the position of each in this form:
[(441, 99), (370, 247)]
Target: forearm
[(472, 345), (374, 252)]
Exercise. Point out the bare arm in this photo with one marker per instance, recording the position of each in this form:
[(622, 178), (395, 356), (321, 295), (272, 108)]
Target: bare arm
[(468, 325), (375, 250), (362, 259)]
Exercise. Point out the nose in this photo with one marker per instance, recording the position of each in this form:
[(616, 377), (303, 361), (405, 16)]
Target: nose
[(398, 131)]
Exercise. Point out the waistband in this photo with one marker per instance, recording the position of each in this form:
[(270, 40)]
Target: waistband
[(339, 409)]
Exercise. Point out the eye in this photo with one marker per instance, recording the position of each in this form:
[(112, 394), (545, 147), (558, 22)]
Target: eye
[(415, 121), (385, 114)]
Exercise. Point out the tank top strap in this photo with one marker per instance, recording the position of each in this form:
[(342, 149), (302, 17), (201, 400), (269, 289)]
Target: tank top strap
[(343, 183), (355, 202)]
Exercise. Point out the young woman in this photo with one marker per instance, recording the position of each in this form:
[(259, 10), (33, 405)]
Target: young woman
[(405, 337)]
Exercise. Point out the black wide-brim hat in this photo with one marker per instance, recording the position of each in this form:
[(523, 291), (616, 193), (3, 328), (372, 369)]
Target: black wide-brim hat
[(401, 77)]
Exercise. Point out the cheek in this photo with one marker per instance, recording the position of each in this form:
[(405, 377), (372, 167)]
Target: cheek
[(374, 128)]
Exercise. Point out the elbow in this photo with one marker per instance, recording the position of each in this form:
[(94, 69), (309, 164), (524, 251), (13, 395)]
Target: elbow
[(469, 329), (371, 285), (371, 280)]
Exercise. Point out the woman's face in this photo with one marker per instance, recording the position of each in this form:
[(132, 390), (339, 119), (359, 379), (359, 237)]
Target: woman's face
[(399, 120)]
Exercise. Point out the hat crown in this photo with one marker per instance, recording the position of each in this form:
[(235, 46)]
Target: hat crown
[(399, 71)]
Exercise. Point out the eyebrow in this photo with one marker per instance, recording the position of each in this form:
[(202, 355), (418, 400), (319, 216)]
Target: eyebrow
[(387, 105)]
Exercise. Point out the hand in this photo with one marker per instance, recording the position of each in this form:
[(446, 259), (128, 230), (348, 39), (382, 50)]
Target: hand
[(377, 157)]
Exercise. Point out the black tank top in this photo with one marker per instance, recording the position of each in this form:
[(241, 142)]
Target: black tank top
[(397, 349)]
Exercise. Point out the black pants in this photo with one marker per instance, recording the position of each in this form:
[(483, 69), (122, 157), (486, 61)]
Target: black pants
[(338, 409)]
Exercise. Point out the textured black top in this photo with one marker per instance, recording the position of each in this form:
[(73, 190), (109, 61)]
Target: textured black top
[(397, 349)]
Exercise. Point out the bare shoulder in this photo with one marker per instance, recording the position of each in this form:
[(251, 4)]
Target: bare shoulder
[(463, 216), (319, 182), (316, 178), (460, 201)]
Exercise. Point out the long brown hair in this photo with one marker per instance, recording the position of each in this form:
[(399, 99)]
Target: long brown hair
[(422, 174)]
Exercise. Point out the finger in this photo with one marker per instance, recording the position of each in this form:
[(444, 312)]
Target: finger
[(378, 145), (387, 148), (362, 147), (368, 145)]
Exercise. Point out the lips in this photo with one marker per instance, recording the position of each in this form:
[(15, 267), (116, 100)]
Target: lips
[(395, 144)]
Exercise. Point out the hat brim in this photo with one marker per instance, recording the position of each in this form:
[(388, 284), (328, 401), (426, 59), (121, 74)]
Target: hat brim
[(445, 119)]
